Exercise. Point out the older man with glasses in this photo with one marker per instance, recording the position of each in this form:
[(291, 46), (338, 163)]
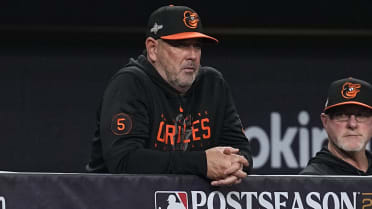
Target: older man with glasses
[(347, 119)]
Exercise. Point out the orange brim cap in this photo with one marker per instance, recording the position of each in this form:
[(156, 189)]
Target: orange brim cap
[(349, 91), (188, 35), (350, 102)]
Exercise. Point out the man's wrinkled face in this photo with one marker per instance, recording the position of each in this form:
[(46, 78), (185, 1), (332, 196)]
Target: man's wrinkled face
[(178, 62), (349, 127)]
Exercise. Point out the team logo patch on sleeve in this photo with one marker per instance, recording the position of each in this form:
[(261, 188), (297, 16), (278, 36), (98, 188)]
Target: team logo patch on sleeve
[(121, 124)]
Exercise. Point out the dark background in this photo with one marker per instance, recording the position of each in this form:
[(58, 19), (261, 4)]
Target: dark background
[(57, 57)]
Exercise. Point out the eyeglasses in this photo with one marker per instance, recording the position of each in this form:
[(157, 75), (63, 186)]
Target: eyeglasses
[(360, 117)]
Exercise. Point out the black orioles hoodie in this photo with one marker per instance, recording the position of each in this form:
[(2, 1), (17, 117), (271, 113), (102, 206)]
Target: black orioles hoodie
[(325, 163), (145, 126)]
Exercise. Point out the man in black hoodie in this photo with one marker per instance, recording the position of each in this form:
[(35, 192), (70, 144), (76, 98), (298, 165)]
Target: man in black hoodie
[(163, 113), (347, 119)]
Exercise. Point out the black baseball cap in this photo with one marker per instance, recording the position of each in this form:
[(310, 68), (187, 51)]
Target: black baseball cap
[(349, 91), (176, 23)]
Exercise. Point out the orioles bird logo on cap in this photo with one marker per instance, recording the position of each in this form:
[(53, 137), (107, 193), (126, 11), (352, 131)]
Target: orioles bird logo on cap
[(191, 19), (350, 90)]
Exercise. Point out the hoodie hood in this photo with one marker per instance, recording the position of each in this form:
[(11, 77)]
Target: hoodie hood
[(142, 63), (326, 158)]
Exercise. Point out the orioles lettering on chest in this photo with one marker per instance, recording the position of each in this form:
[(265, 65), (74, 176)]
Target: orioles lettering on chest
[(184, 130)]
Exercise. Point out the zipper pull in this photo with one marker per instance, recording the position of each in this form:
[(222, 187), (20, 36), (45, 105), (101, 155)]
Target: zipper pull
[(181, 110)]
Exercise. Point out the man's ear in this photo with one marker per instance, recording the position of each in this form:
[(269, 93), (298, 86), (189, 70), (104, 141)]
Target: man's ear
[(151, 47), (324, 118)]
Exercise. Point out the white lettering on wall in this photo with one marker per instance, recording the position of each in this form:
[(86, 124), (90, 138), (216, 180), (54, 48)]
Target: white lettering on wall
[(277, 148), (273, 200), (2, 202)]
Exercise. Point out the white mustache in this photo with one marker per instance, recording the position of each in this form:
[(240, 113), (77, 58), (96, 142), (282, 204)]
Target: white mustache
[(353, 134), (190, 65)]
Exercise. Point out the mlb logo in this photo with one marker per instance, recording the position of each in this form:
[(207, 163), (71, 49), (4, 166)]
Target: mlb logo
[(171, 200)]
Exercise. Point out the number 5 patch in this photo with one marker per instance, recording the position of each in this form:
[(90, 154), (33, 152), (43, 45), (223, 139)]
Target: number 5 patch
[(121, 124)]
